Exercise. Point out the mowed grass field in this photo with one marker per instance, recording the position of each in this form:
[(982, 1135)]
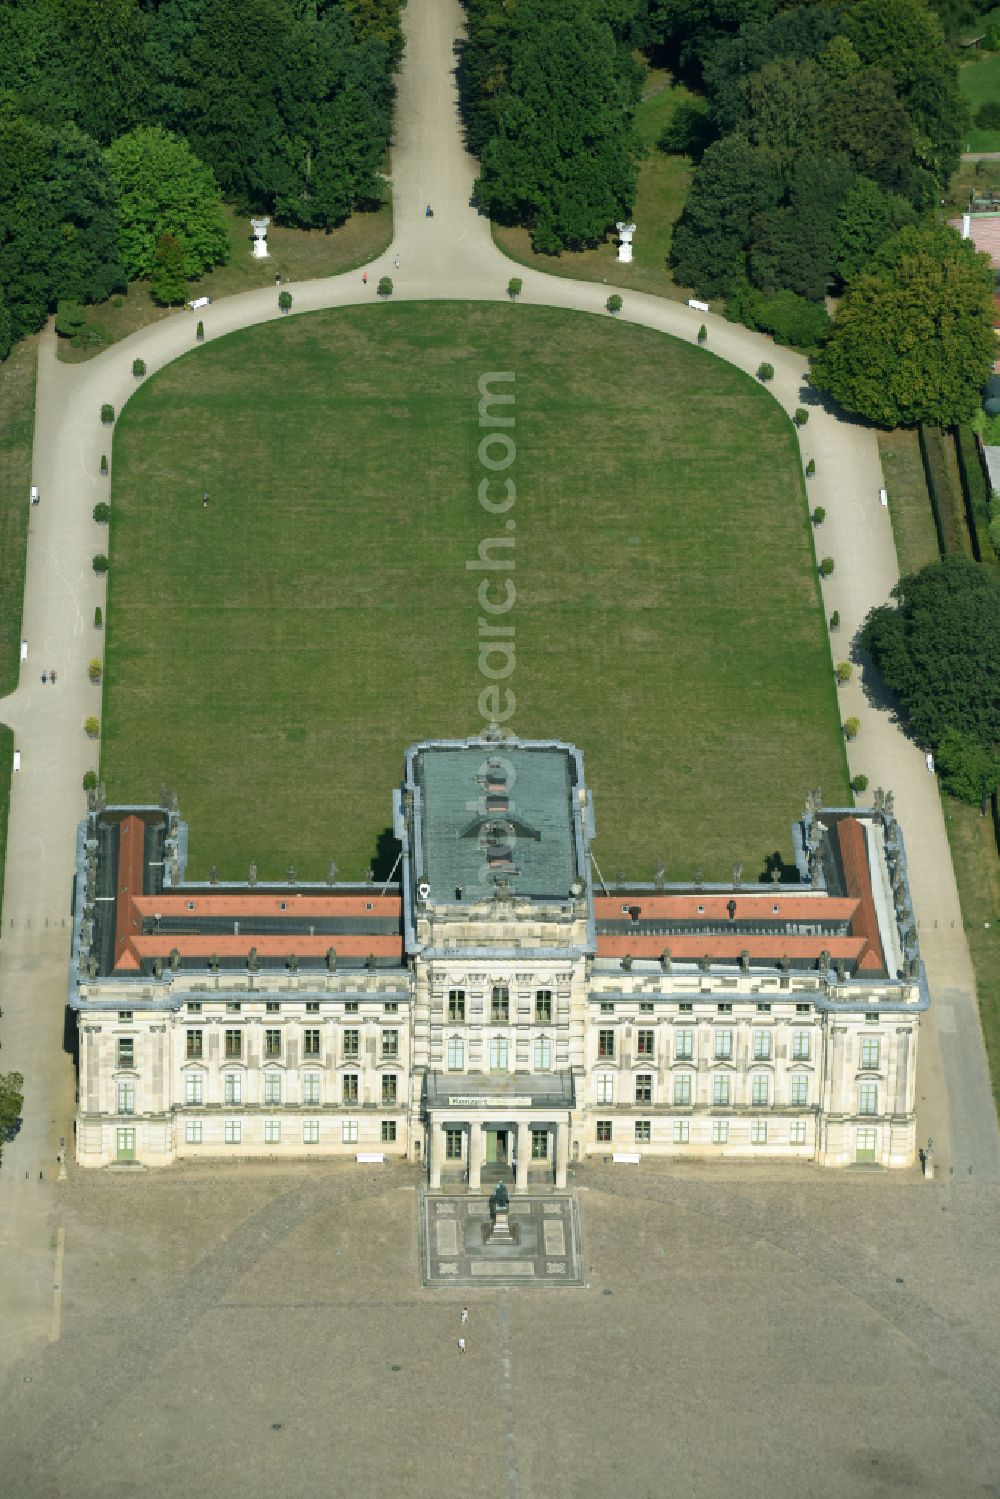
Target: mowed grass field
[(273, 654)]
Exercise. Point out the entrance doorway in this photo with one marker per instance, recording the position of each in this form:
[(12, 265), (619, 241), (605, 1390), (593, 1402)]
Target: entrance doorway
[(498, 1147), (125, 1145)]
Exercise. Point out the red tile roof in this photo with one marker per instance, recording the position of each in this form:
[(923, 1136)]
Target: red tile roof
[(749, 907)]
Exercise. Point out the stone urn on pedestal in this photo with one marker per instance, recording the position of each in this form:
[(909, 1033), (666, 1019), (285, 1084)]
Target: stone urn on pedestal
[(260, 228), (625, 233)]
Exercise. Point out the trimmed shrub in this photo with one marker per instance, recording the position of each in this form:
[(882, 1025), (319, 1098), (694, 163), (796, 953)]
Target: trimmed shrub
[(107, 413), (100, 563), (859, 784), (826, 567), (801, 416), (844, 671), (793, 320), (384, 288), (90, 780), (765, 371), (102, 512), (92, 727), (98, 618), (818, 516), (851, 727), (95, 668), (514, 287), (703, 334), (810, 468), (199, 332), (104, 464), (988, 115), (835, 620), (614, 304), (285, 301), (70, 318), (138, 368)]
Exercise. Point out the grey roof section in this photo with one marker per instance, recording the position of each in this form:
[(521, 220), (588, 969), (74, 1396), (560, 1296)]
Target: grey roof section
[(543, 1089), (534, 820), (993, 467)]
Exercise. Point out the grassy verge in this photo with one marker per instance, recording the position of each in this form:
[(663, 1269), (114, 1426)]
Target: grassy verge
[(17, 430), (909, 507), (662, 188), (978, 82), (977, 869), (667, 616), (295, 255)]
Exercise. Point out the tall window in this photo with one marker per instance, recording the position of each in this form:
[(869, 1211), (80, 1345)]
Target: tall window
[(761, 1046), (456, 1005), (870, 1049), (605, 1043), (349, 1132), (456, 1053), (682, 1089), (644, 1087), (193, 1084), (272, 1131), (543, 1054), (194, 1043), (645, 1043), (800, 1091), (643, 1131), (232, 1088), (682, 1131), (801, 1045), (390, 1043), (868, 1098), (453, 1144), (311, 1043), (350, 1087), (760, 1089), (390, 1087), (126, 1098), (723, 1046), (272, 1087), (683, 1045), (234, 1044), (758, 1132), (720, 1131), (126, 1051), (192, 1131), (604, 1131), (797, 1132), (605, 1087), (388, 1131), (310, 1131), (310, 1087), (499, 1003), (351, 1045), (721, 1094), (498, 1053), (543, 1006), (272, 1044), (539, 1144), (234, 1131)]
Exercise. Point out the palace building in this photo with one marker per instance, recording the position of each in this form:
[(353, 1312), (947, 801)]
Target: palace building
[(500, 1010)]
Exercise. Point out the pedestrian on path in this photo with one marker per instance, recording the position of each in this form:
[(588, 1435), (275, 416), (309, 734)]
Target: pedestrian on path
[(53, 676), (44, 679), (204, 500), (364, 278), (465, 1315), (461, 1345), (396, 262)]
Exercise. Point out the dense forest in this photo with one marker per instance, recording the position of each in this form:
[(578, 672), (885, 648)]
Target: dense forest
[(123, 123)]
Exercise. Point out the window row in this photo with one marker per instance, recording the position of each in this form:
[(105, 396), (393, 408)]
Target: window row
[(681, 1132), (499, 1052), (275, 1039), (454, 1144), (723, 1089), (194, 1134), (722, 1044), (275, 1007), (500, 1005), (232, 1089)]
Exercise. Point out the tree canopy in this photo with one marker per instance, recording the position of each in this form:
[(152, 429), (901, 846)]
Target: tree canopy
[(164, 189)]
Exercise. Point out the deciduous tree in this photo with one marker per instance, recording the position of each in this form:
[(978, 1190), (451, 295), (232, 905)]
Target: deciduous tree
[(163, 189)]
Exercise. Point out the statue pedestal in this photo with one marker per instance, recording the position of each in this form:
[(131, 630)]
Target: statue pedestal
[(625, 233), (500, 1231), (259, 227)]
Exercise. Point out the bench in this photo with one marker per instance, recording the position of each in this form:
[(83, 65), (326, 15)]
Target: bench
[(370, 1158), (199, 302), (24, 650), (17, 759), (626, 1158), (698, 306)]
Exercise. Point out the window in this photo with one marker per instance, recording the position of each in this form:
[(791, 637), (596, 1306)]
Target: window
[(724, 1009), (543, 1054), (312, 1006), (645, 1043), (193, 1083), (310, 1131), (351, 1044), (234, 1044), (683, 1045), (720, 1131), (310, 1087), (604, 1131), (721, 1089), (311, 1046), (685, 1007), (272, 1131), (797, 1132), (390, 1043), (456, 1053), (607, 1008), (391, 1007), (233, 1007), (758, 1132), (605, 1043), (801, 1046), (272, 1007), (800, 1091), (760, 1089), (125, 1017), (682, 1089), (456, 1004), (390, 1087), (646, 1007), (870, 1048), (605, 1088), (543, 1006), (871, 1017), (388, 1131), (761, 1046), (350, 1094), (539, 1144), (763, 1009), (682, 1131), (194, 1008), (192, 1132), (868, 1098), (499, 1003), (272, 1087), (272, 1044), (349, 1132), (643, 1130), (498, 1054), (194, 1044), (453, 1144), (723, 1046), (234, 1131), (126, 1051), (803, 1009), (864, 1145), (644, 1087), (350, 1007), (126, 1098), (232, 1088)]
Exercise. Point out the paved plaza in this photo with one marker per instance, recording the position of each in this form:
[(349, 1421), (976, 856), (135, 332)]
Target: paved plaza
[(457, 1249), (243, 1331)]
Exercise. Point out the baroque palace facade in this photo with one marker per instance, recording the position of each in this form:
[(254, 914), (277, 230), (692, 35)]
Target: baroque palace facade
[(496, 1008)]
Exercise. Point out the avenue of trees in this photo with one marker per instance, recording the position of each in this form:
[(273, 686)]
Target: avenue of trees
[(125, 122)]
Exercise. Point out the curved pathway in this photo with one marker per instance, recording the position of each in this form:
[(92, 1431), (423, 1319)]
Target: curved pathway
[(451, 256)]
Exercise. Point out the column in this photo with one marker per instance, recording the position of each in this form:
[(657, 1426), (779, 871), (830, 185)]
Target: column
[(561, 1132), (435, 1150), (475, 1154), (523, 1155)]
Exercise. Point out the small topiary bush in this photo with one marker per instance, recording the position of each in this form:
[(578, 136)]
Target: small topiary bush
[(801, 416), (104, 465), (765, 371), (835, 620), (818, 516), (703, 334), (98, 618), (384, 287), (859, 784), (95, 668), (199, 332), (92, 727), (614, 304), (844, 671), (107, 413), (90, 780), (826, 567), (102, 512), (514, 287), (138, 368), (70, 318), (285, 301), (810, 468), (100, 563), (851, 727)]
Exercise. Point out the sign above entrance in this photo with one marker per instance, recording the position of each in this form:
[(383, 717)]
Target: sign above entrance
[(477, 1101)]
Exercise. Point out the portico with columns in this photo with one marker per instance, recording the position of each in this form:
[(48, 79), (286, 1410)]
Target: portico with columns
[(506, 1128)]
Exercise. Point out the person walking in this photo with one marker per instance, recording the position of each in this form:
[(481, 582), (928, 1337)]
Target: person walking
[(53, 676), (461, 1345), (465, 1315), (396, 262)]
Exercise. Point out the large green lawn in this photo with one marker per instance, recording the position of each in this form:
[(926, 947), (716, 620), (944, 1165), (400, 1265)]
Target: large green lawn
[(979, 80), (272, 654)]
